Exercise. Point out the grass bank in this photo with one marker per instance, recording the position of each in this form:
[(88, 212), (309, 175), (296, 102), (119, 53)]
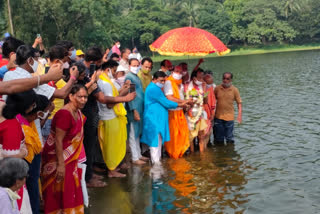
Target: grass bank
[(239, 51)]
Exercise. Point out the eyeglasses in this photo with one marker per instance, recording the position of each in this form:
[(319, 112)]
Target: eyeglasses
[(226, 78)]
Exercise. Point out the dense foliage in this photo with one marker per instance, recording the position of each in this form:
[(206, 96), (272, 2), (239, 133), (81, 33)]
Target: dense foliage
[(140, 22)]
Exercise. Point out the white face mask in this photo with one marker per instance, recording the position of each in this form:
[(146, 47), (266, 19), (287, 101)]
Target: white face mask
[(209, 86), (73, 55), (177, 76), (110, 74), (118, 46), (44, 116), (43, 61), (197, 82), (120, 80), (134, 70), (160, 85), (34, 66), (66, 65)]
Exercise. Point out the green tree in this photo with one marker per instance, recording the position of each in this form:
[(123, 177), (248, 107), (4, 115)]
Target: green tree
[(213, 18)]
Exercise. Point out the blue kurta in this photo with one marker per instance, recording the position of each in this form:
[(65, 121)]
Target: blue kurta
[(136, 104), (155, 117)]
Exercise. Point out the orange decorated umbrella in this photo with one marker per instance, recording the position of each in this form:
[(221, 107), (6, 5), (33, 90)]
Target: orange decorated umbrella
[(188, 41)]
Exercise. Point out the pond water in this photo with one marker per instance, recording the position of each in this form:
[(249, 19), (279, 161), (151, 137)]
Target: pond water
[(273, 166)]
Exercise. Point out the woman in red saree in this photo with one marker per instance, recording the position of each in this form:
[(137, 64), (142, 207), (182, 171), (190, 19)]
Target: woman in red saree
[(61, 187)]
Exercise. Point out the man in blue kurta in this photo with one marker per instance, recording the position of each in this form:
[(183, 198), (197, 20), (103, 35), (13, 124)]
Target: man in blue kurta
[(134, 113), (155, 117)]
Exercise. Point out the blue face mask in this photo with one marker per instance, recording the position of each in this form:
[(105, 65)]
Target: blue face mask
[(73, 55), (160, 85)]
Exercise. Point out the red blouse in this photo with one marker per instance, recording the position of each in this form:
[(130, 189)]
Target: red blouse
[(11, 137)]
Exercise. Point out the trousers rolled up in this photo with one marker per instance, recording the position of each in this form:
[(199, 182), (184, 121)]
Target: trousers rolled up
[(155, 152)]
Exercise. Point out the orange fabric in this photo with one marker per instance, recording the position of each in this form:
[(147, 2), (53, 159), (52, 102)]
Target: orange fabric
[(79, 209), (183, 181), (210, 106), (65, 196), (188, 41), (179, 135), (175, 86), (32, 140), (178, 126), (225, 99)]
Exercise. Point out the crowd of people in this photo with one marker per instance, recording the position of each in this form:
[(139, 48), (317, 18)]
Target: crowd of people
[(67, 117)]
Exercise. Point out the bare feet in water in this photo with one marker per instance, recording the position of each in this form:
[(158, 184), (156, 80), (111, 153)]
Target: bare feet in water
[(125, 166), (115, 174), (95, 176), (138, 162), (94, 182)]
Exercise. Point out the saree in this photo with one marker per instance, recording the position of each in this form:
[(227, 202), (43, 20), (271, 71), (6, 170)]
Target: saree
[(32, 140), (112, 133), (66, 196), (178, 126)]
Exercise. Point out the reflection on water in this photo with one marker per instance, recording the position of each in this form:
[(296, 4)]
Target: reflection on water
[(199, 183), (273, 167)]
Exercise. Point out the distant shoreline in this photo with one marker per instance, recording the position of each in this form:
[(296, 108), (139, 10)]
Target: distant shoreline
[(244, 51)]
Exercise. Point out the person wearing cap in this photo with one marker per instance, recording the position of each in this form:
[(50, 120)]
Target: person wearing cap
[(79, 55), (120, 76), (134, 113)]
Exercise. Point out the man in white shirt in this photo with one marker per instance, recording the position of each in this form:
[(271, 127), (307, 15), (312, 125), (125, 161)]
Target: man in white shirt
[(178, 126), (124, 61), (26, 66)]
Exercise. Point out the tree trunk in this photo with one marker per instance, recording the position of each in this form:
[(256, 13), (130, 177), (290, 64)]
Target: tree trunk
[(264, 40), (10, 18)]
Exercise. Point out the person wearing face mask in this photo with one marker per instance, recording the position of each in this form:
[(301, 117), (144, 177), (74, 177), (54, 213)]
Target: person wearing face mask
[(116, 48), (68, 45), (185, 74), (9, 48), (135, 54), (178, 126), (12, 140), (166, 67), (197, 117), (57, 54), (120, 76), (112, 130), (226, 94), (27, 65), (124, 61), (155, 117), (40, 110), (134, 113), (145, 72)]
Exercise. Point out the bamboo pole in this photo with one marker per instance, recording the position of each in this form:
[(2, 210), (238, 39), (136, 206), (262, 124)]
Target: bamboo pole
[(10, 18)]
